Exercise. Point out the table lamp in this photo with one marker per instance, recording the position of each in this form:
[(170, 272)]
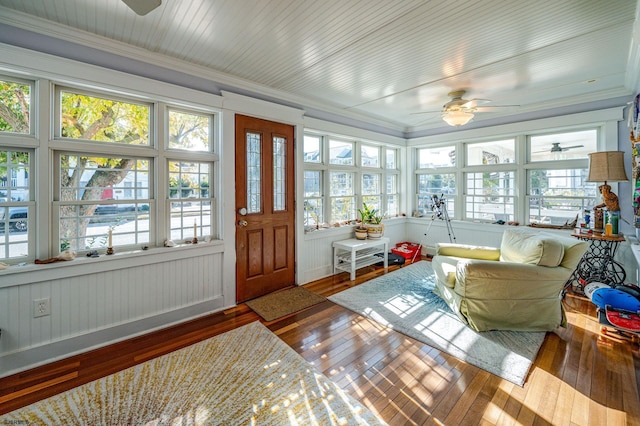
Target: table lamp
[(607, 166)]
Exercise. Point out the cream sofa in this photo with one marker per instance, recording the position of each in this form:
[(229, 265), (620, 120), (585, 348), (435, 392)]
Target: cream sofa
[(515, 287)]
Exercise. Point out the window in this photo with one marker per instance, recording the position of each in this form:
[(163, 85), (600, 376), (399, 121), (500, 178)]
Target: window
[(391, 174), (488, 153), (370, 156), (334, 190), (490, 196), (15, 207), (189, 131), (436, 180), (15, 98), (393, 195), (94, 199), (372, 190), (105, 159), (312, 153), (431, 158), (87, 117), (313, 198), (343, 207), (16, 169), (557, 190), (103, 193), (341, 152), (435, 187), (190, 200), (563, 146), (490, 191), (531, 178)]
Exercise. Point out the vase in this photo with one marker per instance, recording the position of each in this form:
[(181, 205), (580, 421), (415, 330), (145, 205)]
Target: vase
[(361, 233), (375, 230)]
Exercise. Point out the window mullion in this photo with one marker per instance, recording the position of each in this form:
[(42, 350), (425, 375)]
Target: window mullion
[(160, 174), (44, 187)]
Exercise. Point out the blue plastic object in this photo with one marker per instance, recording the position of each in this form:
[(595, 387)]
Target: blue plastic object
[(616, 298)]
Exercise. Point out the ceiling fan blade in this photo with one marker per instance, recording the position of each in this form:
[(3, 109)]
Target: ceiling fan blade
[(426, 112), (490, 107), (555, 147), (142, 7), (474, 103), (564, 148)]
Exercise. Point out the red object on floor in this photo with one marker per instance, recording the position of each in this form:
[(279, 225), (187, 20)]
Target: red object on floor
[(623, 320), (406, 249)]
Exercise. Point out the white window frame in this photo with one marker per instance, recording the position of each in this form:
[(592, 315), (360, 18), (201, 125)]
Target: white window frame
[(81, 147), (357, 169), (24, 142), (605, 121)]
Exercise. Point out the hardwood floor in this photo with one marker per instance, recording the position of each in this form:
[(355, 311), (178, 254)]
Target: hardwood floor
[(579, 377)]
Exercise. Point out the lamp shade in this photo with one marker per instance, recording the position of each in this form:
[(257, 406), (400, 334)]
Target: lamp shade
[(457, 118), (607, 166)]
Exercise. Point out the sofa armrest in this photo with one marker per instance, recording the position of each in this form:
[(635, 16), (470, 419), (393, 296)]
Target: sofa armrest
[(468, 251), (482, 279)]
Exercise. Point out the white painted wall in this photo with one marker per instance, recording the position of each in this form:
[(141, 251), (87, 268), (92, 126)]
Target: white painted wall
[(88, 295)]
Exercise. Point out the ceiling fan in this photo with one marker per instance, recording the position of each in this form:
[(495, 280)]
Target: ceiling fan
[(459, 111), (555, 147), (142, 7)]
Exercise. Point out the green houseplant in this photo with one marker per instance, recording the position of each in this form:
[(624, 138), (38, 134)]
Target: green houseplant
[(372, 221)]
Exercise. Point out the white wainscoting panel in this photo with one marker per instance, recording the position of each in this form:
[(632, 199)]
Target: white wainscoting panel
[(105, 297)]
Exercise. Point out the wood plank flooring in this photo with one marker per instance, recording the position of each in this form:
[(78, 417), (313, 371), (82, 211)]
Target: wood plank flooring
[(579, 377)]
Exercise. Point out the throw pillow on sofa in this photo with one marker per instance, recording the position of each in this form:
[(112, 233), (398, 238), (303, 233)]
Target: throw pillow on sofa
[(535, 249)]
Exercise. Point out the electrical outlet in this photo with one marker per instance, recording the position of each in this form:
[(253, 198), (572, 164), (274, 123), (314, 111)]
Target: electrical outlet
[(41, 307)]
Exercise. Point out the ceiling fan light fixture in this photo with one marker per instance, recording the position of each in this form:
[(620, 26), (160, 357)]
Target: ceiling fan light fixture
[(142, 7), (457, 118)]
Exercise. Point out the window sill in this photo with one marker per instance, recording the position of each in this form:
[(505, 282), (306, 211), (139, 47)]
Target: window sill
[(31, 273), (342, 229)]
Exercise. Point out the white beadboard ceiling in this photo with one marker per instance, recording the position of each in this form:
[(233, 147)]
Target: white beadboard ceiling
[(378, 60)]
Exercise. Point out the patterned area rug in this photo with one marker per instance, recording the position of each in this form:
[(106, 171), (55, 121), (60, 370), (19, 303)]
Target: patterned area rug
[(404, 300), (245, 376), (281, 303)]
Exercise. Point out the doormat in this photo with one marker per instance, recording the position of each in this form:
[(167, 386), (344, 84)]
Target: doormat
[(404, 301), (282, 303)]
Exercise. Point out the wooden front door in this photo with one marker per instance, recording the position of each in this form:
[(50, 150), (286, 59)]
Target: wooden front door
[(265, 212)]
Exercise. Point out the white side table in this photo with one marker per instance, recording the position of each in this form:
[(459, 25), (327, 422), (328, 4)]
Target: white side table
[(352, 254)]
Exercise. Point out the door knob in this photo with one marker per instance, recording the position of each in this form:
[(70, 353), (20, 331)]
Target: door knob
[(242, 222)]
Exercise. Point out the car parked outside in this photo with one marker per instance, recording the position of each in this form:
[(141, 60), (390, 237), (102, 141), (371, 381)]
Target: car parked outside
[(18, 220)]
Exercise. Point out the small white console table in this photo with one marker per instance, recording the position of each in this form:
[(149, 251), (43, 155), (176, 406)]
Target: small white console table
[(352, 254)]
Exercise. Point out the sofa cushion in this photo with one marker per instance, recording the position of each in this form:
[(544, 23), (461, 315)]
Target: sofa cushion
[(530, 248), (444, 268), (467, 251)]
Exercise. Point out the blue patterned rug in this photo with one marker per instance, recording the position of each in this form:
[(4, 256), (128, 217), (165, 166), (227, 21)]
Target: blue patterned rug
[(404, 301)]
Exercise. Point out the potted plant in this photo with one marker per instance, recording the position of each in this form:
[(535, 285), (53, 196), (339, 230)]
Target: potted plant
[(361, 232), (372, 221), (365, 215), (375, 227)]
